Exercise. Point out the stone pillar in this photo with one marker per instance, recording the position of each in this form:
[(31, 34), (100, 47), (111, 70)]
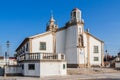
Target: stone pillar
[(88, 50)]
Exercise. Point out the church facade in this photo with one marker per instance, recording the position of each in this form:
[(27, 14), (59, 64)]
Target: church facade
[(81, 49)]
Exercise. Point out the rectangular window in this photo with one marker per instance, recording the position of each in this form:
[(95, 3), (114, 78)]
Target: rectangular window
[(31, 66), (96, 59), (96, 49), (42, 45)]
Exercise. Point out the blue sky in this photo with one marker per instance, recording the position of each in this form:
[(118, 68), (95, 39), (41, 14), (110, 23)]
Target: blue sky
[(23, 18)]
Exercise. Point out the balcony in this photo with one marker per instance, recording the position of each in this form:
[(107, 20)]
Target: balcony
[(40, 56)]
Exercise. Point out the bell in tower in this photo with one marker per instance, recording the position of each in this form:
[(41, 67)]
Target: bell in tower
[(52, 26), (76, 15)]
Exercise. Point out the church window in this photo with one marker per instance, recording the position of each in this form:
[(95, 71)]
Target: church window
[(42, 45), (96, 49), (96, 59)]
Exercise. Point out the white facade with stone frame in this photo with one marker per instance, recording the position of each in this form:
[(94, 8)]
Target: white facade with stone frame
[(81, 49)]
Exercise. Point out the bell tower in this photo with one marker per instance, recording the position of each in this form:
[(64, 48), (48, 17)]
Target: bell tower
[(76, 19), (51, 26), (75, 15)]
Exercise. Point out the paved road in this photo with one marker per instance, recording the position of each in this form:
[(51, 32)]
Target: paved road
[(104, 76)]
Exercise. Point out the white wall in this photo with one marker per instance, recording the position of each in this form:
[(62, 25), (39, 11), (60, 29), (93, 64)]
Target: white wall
[(61, 41), (49, 44), (71, 45), (94, 42), (35, 72), (52, 68)]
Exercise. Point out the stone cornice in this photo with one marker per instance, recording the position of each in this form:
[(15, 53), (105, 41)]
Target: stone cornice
[(69, 24)]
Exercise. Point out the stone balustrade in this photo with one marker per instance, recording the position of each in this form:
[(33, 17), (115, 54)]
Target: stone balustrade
[(41, 56)]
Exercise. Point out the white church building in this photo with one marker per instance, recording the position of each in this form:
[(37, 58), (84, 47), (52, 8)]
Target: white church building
[(47, 53)]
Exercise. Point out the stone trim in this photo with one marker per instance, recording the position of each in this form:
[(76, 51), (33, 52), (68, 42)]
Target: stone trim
[(40, 35), (88, 50), (68, 24), (94, 37), (32, 37)]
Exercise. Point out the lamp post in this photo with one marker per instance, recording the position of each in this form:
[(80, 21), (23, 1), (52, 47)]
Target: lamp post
[(7, 56), (106, 58)]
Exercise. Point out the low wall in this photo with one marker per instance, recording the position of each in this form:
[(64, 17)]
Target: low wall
[(13, 70)]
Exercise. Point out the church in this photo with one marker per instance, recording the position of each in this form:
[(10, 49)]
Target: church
[(71, 44)]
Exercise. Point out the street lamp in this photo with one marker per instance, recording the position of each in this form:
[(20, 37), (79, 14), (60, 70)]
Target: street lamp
[(106, 58), (7, 56)]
